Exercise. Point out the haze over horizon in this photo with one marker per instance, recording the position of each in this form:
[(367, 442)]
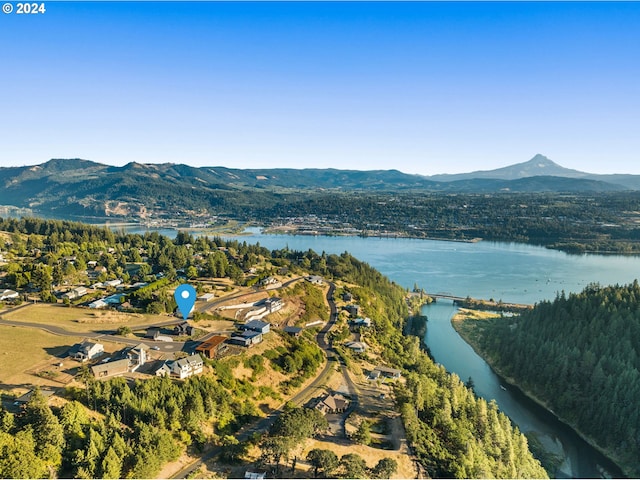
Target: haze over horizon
[(421, 87)]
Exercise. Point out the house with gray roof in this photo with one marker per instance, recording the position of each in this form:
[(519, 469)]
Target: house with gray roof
[(86, 350), (110, 369)]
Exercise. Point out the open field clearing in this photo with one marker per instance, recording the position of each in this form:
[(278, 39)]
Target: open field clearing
[(81, 319), (24, 348)]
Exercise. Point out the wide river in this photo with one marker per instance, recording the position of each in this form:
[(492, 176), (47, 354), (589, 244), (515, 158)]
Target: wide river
[(507, 271)]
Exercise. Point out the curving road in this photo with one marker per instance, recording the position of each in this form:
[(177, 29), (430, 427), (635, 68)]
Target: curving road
[(300, 398)]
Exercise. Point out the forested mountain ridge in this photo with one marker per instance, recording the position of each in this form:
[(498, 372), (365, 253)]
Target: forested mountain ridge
[(81, 188), (580, 354)]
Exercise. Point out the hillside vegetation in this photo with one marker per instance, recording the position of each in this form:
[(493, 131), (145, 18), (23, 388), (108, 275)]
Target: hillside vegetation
[(115, 429), (580, 355)]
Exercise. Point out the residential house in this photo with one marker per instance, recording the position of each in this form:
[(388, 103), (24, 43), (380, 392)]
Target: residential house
[(137, 356), (182, 368), (100, 303), (112, 283), (212, 347), (256, 326), (252, 335), (273, 304), (354, 310), (347, 297), (110, 369), (24, 399), (357, 347), (314, 279), (98, 270), (385, 372), (86, 350), (152, 333), (251, 475), (8, 295), (207, 297), (294, 331), (270, 282), (238, 340), (75, 293), (360, 323), (333, 403), (183, 329)]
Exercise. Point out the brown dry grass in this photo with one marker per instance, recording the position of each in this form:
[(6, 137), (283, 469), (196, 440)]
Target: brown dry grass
[(24, 348), (78, 319)]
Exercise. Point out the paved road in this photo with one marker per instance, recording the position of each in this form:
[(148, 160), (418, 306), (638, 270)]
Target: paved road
[(300, 398)]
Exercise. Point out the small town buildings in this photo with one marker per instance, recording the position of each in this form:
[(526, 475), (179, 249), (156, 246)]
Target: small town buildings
[(294, 331), (357, 347), (256, 326), (86, 351), (110, 369), (112, 283), (212, 347), (183, 329), (333, 403)]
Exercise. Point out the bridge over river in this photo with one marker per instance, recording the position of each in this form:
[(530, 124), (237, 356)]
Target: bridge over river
[(478, 303)]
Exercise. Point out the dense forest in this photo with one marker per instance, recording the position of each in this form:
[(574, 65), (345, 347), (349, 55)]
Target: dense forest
[(580, 354), (114, 429)]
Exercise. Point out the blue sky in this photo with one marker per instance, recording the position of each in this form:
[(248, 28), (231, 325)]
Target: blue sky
[(423, 87)]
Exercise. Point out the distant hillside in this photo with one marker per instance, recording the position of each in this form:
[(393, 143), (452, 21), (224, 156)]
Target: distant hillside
[(81, 188)]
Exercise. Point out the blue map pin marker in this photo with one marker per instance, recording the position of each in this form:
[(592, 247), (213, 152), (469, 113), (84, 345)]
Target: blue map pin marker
[(185, 296)]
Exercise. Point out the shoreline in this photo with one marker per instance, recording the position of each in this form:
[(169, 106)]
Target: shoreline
[(459, 319)]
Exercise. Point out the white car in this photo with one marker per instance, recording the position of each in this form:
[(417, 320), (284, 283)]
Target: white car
[(155, 348)]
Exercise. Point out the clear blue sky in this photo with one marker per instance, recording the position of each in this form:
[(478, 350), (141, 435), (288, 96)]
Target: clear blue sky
[(422, 87)]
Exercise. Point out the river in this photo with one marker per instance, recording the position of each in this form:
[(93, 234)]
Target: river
[(504, 271)]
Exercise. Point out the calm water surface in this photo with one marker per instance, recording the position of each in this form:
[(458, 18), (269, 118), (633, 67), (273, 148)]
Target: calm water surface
[(502, 271)]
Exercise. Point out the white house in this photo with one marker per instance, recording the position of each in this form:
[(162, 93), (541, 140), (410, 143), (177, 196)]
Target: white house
[(8, 295), (86, 350), (358, 347), (98, 304), (183, 368)]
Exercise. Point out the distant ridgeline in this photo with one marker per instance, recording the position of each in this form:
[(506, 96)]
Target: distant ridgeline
[(580, 355), (453, 433)]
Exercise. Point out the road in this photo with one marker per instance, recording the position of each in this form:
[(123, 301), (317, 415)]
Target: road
[(300, 398)]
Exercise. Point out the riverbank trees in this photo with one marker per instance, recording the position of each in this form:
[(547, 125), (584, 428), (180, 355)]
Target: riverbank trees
[(580, 354), (453, 433)]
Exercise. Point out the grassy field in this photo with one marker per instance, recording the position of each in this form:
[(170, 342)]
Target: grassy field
[(25, 348), (82, 319)]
